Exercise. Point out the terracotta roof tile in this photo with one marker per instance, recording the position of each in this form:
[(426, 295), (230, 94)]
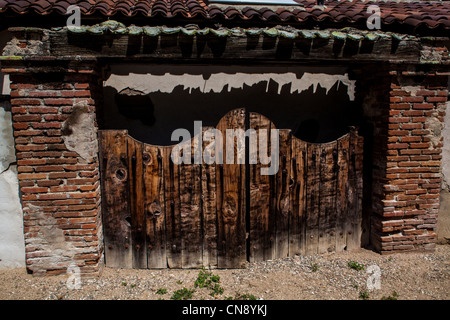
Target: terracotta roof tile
[(429, 14)]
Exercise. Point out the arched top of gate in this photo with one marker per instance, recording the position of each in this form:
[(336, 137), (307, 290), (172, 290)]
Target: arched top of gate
[(239, 118)]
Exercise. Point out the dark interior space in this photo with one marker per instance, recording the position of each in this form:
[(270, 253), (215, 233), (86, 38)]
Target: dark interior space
[(318, 116)]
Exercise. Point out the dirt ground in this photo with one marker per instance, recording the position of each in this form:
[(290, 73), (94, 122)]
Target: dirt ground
[(410, 276)]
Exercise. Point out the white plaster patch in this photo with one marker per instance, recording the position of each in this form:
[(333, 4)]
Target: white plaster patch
[(82, 138), (6, 89), (12, 247), (412, 89), (7, 154), (166, 83)]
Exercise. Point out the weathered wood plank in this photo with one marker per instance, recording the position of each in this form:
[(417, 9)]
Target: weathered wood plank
[(231, 201), (327, 219), (154, 206), (262, 195), (341, 194), (312, 199), (261, 47), (209, 210), (136, 196), (354, 191), (115, 205), (297, 223), (190, 209), (172, 211), (359, 151), (283, 209)]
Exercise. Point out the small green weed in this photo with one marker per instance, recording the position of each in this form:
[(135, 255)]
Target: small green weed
[(161, 291), (206, 279), (182, 294), (314, 267), (355, 265), (364, 295), (393, 297)]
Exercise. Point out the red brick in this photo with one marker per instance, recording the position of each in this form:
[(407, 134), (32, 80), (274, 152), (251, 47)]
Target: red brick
[(49, 168), (27, 118), (423, 106), (431, 163), (437, 99), (49, 183), (76, 93), (425, 93), (23, 86), (398, 145), (45, 110), (20, 125), (56, 117), (43, 93), (413, 113), (26, 102), (408, 164), (30, 147), (81, 85), (399, 93), (56, 175), (63, 188), (399, 119), (395, 99), (46, 125), (58, 102), (19, 110), (53, 196), (410, 126), (420, 145), (413, 99), (34, 190), (44, 140), (400, 106), (46, 154)]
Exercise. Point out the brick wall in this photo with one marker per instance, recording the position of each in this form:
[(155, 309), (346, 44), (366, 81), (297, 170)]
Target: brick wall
[(59, 187), (407, 160)]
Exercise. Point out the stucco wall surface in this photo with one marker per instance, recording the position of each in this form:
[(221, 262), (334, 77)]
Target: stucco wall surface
[(12, 248)]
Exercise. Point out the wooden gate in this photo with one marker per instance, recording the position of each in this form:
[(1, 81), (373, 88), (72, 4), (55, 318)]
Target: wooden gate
[(158, 214)]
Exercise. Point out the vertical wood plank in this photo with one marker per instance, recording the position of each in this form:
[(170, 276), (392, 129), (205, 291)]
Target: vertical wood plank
[(354, 192), (312, 199), (136, 196), (262, 198), (359, 151), (154, 206), (115, 201), (341, 194), (190, 210), (209, 211), (283, 209), (297, 231), (327, 219), (172, 211), (231, 202)]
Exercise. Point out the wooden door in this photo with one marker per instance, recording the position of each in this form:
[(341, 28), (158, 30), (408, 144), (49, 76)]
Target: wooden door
[(158, 214)]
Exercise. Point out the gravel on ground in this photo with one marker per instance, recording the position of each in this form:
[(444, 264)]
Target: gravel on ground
[(403, 276)]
